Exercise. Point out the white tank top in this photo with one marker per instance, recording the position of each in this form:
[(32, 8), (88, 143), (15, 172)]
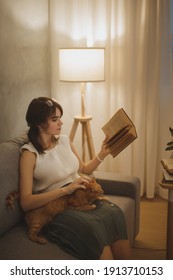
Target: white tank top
[(56, 167)]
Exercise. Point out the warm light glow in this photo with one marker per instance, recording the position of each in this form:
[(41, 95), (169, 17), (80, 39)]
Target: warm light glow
[(82, 65)]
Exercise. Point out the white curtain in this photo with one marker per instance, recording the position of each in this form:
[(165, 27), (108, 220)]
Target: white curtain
[(137, 38)]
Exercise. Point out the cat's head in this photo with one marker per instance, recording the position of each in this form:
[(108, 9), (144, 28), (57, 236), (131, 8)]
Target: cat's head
[(94, 189)]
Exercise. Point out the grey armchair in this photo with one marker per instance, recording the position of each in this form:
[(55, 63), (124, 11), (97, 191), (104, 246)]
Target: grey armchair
[(14, 243)]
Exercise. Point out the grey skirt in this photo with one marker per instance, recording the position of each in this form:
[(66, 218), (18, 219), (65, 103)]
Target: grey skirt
[(84, 234)]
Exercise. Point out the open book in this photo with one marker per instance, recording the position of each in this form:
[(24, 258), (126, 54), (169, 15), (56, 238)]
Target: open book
[(121, 132)]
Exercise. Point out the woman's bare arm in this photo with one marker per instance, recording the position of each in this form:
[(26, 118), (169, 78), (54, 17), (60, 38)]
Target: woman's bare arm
[(89, 167)]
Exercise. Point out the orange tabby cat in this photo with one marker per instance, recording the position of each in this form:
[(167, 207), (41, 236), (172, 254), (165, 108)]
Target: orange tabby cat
[(79, 200)]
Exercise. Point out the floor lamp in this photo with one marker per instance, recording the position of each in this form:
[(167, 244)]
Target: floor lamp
[(82, 65)]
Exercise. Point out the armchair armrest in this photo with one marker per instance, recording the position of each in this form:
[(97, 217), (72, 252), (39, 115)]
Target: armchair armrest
[(116, 184), (121, 185)]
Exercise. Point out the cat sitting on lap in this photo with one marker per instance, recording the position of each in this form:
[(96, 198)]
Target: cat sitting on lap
[(81, 199)]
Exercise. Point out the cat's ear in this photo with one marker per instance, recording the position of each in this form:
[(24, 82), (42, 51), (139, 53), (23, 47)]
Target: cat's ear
[(94, 180)]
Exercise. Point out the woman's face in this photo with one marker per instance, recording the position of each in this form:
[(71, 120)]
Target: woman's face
[(54, 123)]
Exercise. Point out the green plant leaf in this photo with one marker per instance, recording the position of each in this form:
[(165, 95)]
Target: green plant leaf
[(170, 143), (170, 147), (171, 130)]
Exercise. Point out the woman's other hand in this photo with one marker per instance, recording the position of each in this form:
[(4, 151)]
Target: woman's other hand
[(104, 151), (77, 184)]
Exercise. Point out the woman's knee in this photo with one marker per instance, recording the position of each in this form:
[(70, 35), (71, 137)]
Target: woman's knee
[(121, 249), (107, 253)]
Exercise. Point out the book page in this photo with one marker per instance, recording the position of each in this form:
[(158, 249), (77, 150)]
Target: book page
[(121, 132), (119, 121), (166, 184), (168, 164), (122, 143), (167, 176), (118, 136)]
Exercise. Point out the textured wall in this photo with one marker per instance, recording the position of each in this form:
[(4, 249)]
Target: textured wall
[(24, 61)]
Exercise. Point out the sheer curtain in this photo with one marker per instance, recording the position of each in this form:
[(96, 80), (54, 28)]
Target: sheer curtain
[(137, 38)]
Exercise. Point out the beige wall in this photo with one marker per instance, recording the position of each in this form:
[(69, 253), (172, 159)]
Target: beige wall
[(24, 61)]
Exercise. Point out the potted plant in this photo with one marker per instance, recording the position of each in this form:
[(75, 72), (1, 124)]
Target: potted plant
[(170, 143)]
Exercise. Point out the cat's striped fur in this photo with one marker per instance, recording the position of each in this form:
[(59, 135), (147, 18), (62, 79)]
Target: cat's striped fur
[(79, 200)]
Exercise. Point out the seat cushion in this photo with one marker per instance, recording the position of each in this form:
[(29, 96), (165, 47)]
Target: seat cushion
[(15, 245), (127, 205)]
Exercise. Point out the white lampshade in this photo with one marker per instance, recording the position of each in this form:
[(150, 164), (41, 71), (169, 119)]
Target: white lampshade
[(82, 64)]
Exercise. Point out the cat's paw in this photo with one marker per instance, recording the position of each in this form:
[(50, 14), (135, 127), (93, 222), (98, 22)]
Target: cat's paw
[(103, 198), (39, 239), (42, 240)]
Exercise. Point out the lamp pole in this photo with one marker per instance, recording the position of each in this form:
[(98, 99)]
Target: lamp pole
[(82, 90), (82, 65)]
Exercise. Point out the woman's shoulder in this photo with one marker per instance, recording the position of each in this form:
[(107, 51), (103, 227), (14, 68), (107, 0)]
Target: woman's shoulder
[(28, 147)]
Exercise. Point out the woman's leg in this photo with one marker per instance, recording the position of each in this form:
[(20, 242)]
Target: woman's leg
[(107, 253), (121, 249)]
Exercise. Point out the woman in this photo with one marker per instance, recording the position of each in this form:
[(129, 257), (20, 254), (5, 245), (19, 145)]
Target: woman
[(49, 167)]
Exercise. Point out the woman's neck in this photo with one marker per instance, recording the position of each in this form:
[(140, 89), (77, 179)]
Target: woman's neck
[(47, 141)]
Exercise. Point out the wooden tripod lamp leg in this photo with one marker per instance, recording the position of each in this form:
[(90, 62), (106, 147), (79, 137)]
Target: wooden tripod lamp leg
[(90, 140), (73, 130), (86, 135), (83, 141)]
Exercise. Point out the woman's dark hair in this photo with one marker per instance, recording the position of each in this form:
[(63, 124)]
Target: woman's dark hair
[(39, 110)]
